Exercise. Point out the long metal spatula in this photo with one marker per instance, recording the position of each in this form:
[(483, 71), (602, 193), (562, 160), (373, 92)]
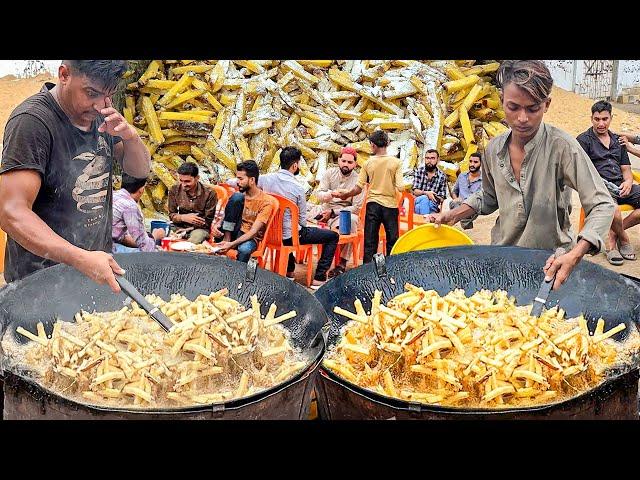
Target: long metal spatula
[(153, 311)]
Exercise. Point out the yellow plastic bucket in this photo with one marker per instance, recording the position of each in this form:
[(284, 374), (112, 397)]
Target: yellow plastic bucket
[(430, 236)]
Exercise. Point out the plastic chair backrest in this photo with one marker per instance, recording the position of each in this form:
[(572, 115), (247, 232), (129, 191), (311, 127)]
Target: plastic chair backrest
[(275, 234), (269, 227)]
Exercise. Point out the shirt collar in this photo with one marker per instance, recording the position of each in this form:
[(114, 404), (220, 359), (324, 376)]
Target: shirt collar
[(503, 144), (282, 171)]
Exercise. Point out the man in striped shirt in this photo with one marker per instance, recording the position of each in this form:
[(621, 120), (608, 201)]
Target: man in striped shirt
[(128, 232)]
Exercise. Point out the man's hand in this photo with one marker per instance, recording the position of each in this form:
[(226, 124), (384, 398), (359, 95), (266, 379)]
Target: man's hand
[(114, 123), (326, 215), (216, 232), (431, 195), (224, 247), (100, 267), (625, 188), (440, 218), (192, 219), (158, 233), (341, 194), (563, 265)]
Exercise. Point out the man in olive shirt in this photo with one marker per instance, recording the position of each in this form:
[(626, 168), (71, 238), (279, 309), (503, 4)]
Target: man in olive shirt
[(191, 204), (384, 176), (526, 174)]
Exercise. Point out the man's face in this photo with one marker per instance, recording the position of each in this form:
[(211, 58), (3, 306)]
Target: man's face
[(82, 95), (522, 113), (474, 164), (347, 163), (188, 182), (244, 181), (431, 161), (601, 122)]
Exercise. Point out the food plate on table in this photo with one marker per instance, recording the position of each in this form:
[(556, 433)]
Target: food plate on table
[(182, 246)]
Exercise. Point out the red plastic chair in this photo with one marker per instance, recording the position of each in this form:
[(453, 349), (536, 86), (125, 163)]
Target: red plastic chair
[(279, 251)]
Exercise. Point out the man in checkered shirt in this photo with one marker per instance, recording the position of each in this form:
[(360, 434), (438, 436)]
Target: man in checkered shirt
[(429, 185)]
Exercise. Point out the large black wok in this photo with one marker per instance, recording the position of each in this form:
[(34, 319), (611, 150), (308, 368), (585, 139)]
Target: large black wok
[(591, 289), (60, 292)]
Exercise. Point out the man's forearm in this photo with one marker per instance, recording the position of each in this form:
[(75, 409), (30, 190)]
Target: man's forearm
[(582, 248), (28, 229), (461, 212), (136, 160), (243, 238)]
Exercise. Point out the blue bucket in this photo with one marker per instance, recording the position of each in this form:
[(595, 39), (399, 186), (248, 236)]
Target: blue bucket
[(345, 222), (160, 224)]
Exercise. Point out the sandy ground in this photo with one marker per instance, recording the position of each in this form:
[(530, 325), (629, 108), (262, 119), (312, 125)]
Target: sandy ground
[(14, 90), (567, 111)]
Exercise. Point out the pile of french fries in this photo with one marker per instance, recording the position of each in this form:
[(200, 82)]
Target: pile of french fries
[(216, 351), (220, 112), (478, 351)]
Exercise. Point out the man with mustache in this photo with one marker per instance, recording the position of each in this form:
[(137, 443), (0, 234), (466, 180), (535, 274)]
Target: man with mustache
[(467, 184), (342, 177), (429, 185)]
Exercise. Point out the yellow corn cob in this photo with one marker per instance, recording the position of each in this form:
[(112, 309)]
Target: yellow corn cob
[(212, 100), (128, 115), (453, 72), (163, 174), (243, 148), (161, 84), (456, 85), (217, 128), (152, 120), (250, 65), (316, 63), (216, 77), (452, 119), (183, 116), (184, 97), (180, 86), (299, 71), (158, 193), (190, 68), (473, 95), (466, 126)]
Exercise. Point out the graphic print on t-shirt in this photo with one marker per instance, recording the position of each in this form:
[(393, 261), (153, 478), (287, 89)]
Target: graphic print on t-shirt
[(91, 187)]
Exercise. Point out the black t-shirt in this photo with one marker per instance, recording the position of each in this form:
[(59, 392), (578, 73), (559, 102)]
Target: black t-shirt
[(76, 171), (606, 160)]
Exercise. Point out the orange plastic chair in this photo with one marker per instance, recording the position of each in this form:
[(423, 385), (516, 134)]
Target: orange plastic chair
[(279, 251), (260, 254), (409, 217), (230, 190), (623, 208)]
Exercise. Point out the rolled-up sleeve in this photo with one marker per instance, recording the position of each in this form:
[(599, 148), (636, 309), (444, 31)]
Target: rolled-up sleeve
[(599, 207), (484, 201)]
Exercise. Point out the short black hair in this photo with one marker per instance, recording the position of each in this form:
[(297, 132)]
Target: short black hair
[(477, 155), (289, 156), (188, 168), (379, 138), (601, 106), (250, 167), (132, 184), (107, 73), (432, 150)]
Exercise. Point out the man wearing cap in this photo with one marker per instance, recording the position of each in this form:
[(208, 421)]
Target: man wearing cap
[(342, 177)]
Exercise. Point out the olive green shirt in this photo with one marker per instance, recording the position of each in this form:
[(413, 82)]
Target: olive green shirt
[(534, 212)]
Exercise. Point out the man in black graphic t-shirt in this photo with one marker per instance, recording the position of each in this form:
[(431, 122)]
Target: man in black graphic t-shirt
[(56, 186)]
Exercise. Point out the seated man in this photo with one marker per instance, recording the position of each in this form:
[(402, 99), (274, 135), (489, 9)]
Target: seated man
[(128, 232), (466, 184), (284, 184), (246, 214), (612, 162), (191, 204), (429, 185), (342, 177)]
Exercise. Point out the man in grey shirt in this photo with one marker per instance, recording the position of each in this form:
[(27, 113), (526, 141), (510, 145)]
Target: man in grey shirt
[(526, 173), (283, 183)]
